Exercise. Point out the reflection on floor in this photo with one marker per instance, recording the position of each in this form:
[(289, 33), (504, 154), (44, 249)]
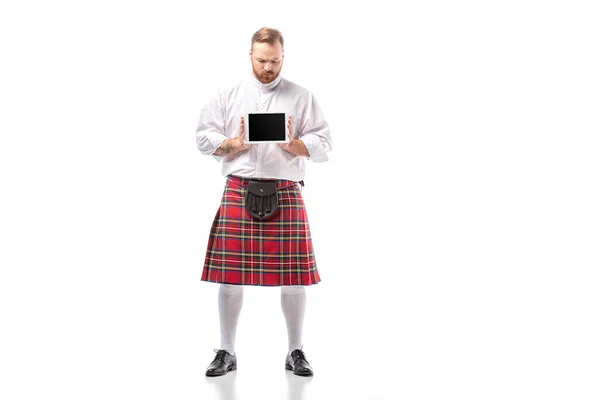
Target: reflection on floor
[(225, 387)]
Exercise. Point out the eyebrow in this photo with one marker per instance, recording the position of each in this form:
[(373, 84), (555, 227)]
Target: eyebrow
[(262, 59)]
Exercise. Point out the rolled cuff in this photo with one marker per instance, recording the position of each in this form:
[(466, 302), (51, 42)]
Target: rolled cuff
[(316, 148), (209, 142)]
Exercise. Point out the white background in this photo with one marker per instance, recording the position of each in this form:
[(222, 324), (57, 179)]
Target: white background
[(456, 225)]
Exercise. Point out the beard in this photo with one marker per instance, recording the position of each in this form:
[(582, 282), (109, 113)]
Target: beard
[(263, 76)]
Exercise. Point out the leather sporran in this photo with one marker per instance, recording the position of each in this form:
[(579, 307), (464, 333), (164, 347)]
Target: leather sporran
[(261, 199)]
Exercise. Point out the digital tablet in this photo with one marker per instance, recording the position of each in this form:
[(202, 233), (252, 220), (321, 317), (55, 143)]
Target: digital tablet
[(266, 127)]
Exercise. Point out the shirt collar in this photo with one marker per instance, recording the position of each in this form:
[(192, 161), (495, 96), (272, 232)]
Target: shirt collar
[(265, 86)]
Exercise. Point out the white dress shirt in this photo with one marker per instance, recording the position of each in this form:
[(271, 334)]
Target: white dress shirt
[(220, 119)]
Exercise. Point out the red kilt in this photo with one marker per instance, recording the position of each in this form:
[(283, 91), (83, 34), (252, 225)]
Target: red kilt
[(275, 252)]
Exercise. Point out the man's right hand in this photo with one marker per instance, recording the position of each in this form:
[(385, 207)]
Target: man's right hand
[(234, 145)]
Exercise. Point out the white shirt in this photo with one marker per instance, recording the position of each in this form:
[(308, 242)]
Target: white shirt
[(220, 120)]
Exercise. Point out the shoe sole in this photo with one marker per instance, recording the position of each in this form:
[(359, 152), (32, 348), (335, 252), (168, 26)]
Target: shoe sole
[(289, 368), (232, 368)]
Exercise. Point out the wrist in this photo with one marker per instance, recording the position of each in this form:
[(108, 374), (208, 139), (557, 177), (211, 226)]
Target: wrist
[(293, 144), (299, 148), (231, 143), (239, 144), (234, 144)]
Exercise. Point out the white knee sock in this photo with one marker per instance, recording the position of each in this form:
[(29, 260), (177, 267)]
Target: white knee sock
[(230, 304), (293, 303)]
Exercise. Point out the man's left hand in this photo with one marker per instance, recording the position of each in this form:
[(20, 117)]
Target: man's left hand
[(294, 146)]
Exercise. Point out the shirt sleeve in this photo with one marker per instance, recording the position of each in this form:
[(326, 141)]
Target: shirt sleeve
[(314, 131), (210, 132)]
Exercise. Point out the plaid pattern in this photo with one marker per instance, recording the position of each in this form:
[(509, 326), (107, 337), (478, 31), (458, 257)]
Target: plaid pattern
[(275, 252)]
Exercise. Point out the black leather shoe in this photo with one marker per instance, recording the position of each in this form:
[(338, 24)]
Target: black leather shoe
[(297, 363), (222, 364)]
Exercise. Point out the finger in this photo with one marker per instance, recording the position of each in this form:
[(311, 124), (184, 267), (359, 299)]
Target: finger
[(242, 130)]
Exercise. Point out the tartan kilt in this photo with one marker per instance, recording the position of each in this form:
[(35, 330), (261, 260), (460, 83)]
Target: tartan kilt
[(245, 251)]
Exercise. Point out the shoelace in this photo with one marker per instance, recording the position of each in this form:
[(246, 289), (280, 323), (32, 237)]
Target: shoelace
[(300, 354), (220, 355)]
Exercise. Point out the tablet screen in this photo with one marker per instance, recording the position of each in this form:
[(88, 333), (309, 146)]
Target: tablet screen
[(266, 127)]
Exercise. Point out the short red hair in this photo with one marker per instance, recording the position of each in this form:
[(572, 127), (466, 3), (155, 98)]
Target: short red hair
[(267, 35)]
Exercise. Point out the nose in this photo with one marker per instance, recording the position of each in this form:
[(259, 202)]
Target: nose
[(267, 67)]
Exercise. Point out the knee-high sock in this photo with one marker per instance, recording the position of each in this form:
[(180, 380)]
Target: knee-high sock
[(293, 304), (230, 304)]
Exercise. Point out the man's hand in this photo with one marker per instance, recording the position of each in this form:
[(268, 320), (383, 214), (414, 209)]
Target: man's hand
[(235, 145), (294, 146)]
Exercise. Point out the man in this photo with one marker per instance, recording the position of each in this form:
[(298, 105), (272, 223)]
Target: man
[(242, 249)]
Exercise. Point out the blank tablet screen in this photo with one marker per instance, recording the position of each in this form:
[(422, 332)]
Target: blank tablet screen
[(266, 127)]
